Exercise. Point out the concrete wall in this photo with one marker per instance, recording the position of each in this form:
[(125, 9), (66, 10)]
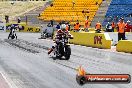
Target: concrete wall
[(97, 40), (114, 37)]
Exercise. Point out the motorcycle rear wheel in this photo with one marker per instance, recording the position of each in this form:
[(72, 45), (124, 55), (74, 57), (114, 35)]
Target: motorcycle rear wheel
[(67, 52)]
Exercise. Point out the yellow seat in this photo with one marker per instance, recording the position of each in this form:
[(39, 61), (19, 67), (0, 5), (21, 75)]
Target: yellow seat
[(64, 10)]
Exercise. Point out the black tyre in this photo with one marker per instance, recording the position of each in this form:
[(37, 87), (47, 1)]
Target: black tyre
[(59, 56), (12, 37), (8, 37), (67, 52), (81, 80), (60, 51), (16, 37)]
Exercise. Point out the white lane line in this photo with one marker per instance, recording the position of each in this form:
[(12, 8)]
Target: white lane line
[(11, 85)]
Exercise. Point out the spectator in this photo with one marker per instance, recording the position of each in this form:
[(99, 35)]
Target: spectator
[(51, 22), (121, 29), (98, 27), (96, 3), (49, 25), (7, 18), (128, 27), (39, 15), (58, 26), (67, 26), (116, 19), (73, 3), (18, 20), (51, 4), (12, 3), (77, 26)]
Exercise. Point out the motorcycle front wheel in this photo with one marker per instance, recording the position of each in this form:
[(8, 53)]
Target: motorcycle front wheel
[(60, 51), (67, 52)]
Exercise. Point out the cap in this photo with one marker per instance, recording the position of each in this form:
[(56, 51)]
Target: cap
[(122, 18)]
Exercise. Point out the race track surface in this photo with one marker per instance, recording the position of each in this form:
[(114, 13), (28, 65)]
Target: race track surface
[(25, 64)]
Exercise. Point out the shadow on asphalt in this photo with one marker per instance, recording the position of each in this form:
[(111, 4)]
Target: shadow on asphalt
[(55, 58)]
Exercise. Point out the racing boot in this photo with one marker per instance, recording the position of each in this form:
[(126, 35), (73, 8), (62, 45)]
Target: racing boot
[(50, 50)]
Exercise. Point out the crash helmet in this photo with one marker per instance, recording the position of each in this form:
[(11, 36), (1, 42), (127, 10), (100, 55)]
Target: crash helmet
[(63, 27)]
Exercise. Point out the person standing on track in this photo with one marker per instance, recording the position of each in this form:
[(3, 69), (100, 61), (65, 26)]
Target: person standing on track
[(121, 29), (86, 26), (113, 26), (77, 26), (98, 27)]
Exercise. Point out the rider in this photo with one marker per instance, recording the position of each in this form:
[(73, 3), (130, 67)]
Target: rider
[(12, 29), (60, 32)]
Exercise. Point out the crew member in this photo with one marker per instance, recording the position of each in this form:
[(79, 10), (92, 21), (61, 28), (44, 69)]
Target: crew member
[(86, 26), (121, 29), (113, 26), (128, 27), (77, 26), (98, 27), (67, 26)]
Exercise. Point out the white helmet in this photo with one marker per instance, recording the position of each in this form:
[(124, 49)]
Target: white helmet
[(63, 26), (128, 21)]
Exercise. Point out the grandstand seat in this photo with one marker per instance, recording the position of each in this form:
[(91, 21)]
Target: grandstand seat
[(118, 8), (64, 10)]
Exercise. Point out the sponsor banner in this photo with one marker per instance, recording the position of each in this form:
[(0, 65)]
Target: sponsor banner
[(22, 27), (31, 29), (97, 40), (103, 78), (19, 27), (108, 78)]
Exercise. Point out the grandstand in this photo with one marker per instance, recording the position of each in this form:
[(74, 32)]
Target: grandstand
[(18, 8), (117, 9), (22, 0), (71, 10), (102, 10)]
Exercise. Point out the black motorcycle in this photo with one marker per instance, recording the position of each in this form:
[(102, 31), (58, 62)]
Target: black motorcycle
[(12, 35), (63, 48)]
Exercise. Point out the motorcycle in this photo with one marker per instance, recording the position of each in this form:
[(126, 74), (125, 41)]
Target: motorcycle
[(47, 32), (12, 35), (63, 48), (44, 35)]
